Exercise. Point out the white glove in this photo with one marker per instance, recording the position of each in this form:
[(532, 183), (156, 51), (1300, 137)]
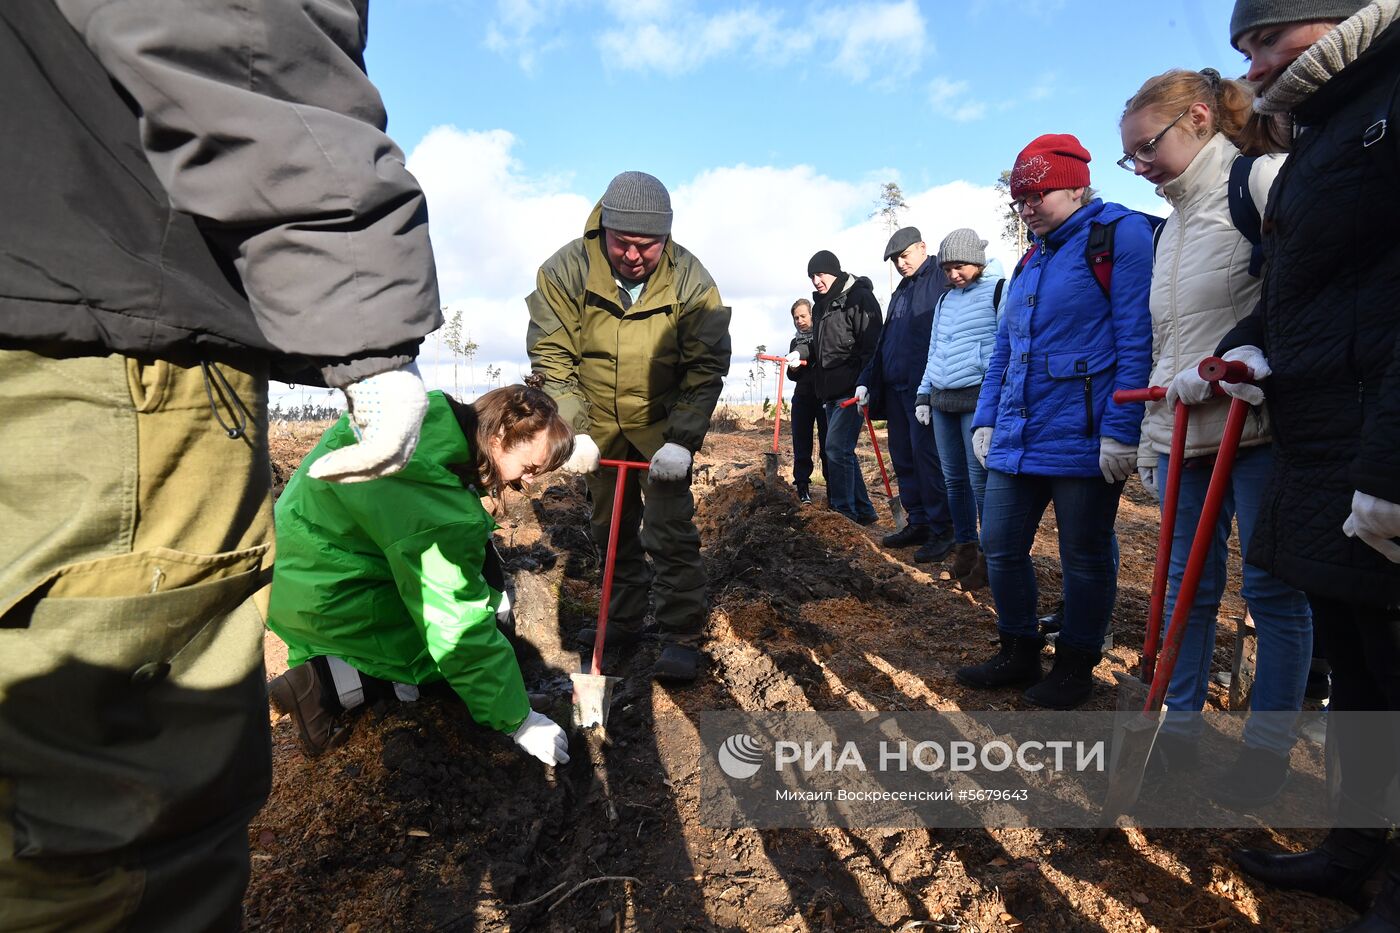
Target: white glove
[(862, 396), (503, 608), (585, 457), (982, 444), (922, 414), (1252, 357), (386, 414), (1116, 459), (1189, 388), (1148, 476), (539, 736), (672, 462), (1375, 521), (794, 358)]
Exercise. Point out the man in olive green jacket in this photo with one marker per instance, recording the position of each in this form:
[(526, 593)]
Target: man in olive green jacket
[(632, 338)]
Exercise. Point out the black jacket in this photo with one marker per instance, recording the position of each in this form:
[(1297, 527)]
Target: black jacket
[(846, 328), (1327, 322), (804, 385)]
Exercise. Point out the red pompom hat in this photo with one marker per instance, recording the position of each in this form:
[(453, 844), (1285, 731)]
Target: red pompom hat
[(1055, 160)]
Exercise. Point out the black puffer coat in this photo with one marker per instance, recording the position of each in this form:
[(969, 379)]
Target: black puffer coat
[(847, 331), (1327, 323)]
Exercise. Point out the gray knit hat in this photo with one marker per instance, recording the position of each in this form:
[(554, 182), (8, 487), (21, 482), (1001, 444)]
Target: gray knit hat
[(636, 202), (1251, 14), (963, 245)]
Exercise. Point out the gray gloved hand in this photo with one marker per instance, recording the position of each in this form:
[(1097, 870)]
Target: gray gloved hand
[(386, 413), (1375, 521), (1189, 388), (1116, 459), (672, 462), (1147, 475), (1252, 357), (862, 396), (982, 444), (541, 736), (585, 457), (923, 414)]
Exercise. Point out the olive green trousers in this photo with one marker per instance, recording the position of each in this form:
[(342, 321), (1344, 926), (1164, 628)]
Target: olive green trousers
[(134, 748), (658, 521)]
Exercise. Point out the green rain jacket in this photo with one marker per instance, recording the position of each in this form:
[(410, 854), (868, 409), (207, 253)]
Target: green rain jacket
[(652, 371), (387, 574)]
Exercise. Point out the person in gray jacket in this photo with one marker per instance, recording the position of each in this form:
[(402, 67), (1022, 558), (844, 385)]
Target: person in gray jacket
[(204, 199)]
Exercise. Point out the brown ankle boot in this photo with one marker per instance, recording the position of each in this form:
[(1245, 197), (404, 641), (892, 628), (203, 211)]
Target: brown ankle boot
[(976, 578), (964, 559)]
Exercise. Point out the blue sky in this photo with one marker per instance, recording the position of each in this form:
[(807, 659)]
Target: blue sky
[(773, 124)]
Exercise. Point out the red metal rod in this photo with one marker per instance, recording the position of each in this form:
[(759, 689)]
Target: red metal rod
[(1215, 369), (1149, 394), (1170, 487), (889, 493), (1200, 549), (848, 403), (610, 561), (778, 413)]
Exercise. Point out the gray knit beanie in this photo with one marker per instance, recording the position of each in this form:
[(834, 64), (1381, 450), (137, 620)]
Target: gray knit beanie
[(963, 245), (636, 202), (1251, 14)]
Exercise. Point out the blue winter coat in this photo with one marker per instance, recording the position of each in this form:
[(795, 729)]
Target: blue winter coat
[(899, 359), (1063, 348), (964, 334)]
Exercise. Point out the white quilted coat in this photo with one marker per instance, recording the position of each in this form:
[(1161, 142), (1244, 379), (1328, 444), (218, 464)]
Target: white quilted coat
[(1200, 287)]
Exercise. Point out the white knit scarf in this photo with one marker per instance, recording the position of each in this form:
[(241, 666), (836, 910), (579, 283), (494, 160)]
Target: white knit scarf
[(1327, 56)]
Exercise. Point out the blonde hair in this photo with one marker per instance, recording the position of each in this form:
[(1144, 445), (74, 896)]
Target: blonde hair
[(1230, 103)]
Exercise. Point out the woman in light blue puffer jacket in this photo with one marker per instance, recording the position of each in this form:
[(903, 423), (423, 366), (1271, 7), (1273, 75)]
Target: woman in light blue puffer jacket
[(960, 344)]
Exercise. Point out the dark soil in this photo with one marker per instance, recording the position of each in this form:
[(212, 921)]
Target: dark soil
[(424, 821)]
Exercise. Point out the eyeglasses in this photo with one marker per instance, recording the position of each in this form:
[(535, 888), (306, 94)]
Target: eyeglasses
[(1147, 152), (1031, 200)]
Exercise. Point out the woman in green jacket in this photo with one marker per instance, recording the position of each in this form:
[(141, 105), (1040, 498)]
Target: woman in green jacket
[(383, 585)]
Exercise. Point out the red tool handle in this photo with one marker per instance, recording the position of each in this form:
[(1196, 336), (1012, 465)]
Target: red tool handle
[(889, 493), (1214, 369), (610, 561), (1149, 394), (1200, 549), (778, 405), (1170, 487), (848, 402)]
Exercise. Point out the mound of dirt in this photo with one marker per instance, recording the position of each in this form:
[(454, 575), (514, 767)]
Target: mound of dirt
[(424, 821)]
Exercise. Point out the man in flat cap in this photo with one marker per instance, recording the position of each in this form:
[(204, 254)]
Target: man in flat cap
[(632, 338), (888, 385)]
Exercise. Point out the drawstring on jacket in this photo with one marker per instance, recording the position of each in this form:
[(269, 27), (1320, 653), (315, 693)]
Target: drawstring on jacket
[(214, 380)]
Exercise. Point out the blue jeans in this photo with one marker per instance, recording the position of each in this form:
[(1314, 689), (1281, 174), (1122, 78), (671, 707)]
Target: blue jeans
[(1282, 617), (845, 486), (914, 455), (964, 477), (1085, 509)]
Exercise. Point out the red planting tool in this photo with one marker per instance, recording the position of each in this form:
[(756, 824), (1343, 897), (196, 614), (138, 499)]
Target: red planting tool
[(1136, 737), (592, 691), (901, 520), (771, 466)]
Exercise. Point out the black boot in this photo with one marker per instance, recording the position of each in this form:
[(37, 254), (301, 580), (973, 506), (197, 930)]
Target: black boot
[(1070, 681), (804, 493), (1017, 663), (937, 547), (1384, 915), (911, 535), (1338, 868), (1256, 778)]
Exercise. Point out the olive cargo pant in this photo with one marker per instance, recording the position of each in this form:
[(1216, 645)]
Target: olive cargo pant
[(666, 515), (133, 719)]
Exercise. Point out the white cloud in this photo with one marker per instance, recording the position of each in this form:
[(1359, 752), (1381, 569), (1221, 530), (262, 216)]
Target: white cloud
[(754, 228), (520, 28), (954, 100), (883, 41)]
